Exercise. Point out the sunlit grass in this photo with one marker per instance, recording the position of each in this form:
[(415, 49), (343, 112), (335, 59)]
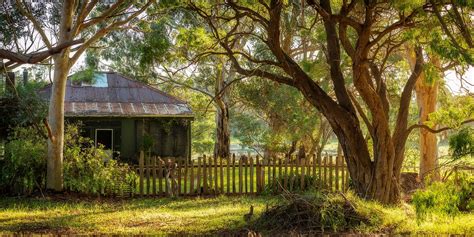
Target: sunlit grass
[(193, 216)]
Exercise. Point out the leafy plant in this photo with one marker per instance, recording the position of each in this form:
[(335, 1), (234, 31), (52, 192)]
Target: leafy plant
[(87, 169), (448, 198)]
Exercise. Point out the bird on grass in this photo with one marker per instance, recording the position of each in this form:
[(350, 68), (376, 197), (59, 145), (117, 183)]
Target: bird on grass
[(248, 216)]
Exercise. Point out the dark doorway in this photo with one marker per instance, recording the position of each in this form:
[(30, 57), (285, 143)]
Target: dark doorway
[(105, 137)]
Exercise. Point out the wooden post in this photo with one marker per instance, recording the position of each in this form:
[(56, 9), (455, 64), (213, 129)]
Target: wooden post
[(185, 185), (245, 163), (290, 185), (251, 174), (269, 173), (240, 177), (209, 165), (160, 177), (338, 159), (233, 173), (347, 177), (325, 171), (216, 176), (198, 185), (314, 170), (343, 171), (280, 177), (147, 173), (204, 173), (179, 166), (141, 164), (303, 167), (154, 174), (330, 173), (257, 163), (262, 174), (191, 178), (320, 177), (222, 174), (285, 182), (274, 172), (228, 174)]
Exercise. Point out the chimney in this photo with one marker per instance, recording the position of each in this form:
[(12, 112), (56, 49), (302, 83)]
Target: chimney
[(25, 77), (10, 83)]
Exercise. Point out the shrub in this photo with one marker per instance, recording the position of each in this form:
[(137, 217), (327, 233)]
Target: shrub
[(449, 198), (87, 169), (23, 168)]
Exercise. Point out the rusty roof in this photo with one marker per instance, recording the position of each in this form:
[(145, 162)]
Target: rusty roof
[(121, 97)]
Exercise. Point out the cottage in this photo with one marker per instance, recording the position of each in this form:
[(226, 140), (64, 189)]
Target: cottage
[(126, 116)]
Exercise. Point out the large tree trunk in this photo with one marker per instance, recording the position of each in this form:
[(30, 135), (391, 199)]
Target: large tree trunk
[(426, 98), (54, 171), (54, 180)]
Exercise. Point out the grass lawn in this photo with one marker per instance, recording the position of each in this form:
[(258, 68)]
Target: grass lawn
[(184, 215)]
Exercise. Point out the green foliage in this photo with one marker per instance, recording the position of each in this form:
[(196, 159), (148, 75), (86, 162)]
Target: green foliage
[(448, 198), (29, 109), (462, 143), (451, 114), (87, 169), (23, 168)]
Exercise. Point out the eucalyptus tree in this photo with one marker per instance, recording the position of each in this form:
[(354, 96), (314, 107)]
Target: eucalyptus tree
[(369, 33), (57, 24)]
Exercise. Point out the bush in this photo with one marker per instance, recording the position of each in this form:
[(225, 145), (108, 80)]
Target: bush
[(449, 198), (24, 166), (87, 169)]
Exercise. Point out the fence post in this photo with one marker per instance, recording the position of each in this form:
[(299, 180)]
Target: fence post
[(257, 174), (222, 174), (141, 165), (251, 174), (154, 174), (198, 185), (204, 173)]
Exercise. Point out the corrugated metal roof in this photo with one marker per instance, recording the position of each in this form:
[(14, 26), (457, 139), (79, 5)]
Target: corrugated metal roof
[(123, 97)]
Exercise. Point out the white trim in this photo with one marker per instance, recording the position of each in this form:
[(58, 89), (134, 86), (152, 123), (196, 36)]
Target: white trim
[(104, 129)]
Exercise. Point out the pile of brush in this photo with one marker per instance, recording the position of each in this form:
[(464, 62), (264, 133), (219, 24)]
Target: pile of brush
[(315, 212)]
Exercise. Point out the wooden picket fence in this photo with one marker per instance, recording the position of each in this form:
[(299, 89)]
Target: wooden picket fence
[(238, 175)]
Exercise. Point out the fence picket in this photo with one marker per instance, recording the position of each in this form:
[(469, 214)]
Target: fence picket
[(251, 174), (228, 174), (280, 177), (325, 171), (216, 175), (141, 163), (285, 182), (330, 173), (233, 173), (160, 177), (204, 174), (154, 173), (257, 170), (222, 174), (240, 176), (303, 169), (185, 185), (198, 184), (245, 161), (191, 177), (338, 158)]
